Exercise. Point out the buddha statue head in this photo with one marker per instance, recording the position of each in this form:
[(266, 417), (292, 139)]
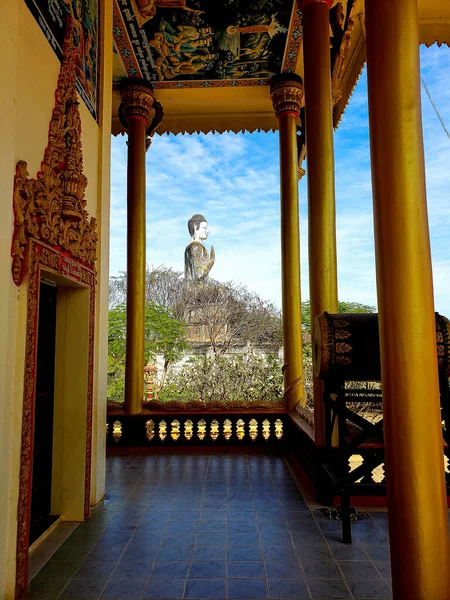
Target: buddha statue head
[(198, 228)]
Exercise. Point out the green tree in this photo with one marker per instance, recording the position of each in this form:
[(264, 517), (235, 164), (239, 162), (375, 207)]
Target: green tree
[(164, 334), (345, 308)]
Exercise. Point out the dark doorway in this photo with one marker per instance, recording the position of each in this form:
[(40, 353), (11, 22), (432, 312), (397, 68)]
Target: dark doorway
[(41, 494)]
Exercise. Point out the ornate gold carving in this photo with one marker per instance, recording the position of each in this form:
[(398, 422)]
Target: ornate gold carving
[(336, 94), (201, 429), (175, 432), (214, 429), (287, 94), (188, 429), (278, 429), (266, 429), (117, 431), (253, 429), (150, 430), (240, 429), (227, 429), (343, 49), (51, 208), (136, 101), (162, 430)]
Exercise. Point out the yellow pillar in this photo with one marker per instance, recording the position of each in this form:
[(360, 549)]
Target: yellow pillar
[(320, 154), (287, 95), (412, 421), (135, 109)]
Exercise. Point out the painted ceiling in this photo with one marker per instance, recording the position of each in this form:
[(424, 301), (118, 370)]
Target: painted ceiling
[(185, 43), (211, 61)]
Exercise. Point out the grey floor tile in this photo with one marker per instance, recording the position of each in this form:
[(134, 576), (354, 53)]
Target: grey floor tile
[(84, 589), (207, 569), (358, 569), (324, 589), (377, 552), (210, 553), (274, 552), (206, 589), (369, 588), (174, 553), (246, 569), (284, 568), (349, 552), (288, 588), (123, 589), (176, 569), (247, 589), (244, 553), (211, 539), (94, 570), (132, 569), (165, 589), (322, 569)]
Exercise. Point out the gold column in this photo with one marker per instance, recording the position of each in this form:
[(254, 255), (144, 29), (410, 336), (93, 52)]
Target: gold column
[(287, 95), (320, 153), (135, 109), (412, 420)]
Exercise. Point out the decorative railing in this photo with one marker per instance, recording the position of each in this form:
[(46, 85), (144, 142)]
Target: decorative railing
[(193, 429), (347, 350)]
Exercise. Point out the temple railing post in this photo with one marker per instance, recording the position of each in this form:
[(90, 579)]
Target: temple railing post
[(287, 96), (136, 105), (412, 418), (323, 292)]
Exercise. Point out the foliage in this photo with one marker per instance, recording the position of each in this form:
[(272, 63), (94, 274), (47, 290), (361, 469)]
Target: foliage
[(248, 377), (115, 379), (164, 334), (164, 286), (231, 315), (345, 308)]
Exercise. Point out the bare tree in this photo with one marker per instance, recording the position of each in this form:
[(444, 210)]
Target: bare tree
[(230, 315), (164, 287), (225, 314)]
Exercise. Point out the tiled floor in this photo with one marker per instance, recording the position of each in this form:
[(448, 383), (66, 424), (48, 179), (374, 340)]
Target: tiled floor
[(220, 526)]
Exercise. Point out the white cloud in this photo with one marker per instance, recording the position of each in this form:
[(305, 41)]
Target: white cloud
[(234, 181)]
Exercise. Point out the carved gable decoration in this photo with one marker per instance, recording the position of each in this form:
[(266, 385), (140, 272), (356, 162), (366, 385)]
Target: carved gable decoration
[(51, 207)]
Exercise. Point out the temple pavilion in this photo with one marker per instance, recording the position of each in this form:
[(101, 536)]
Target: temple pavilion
[(229, 522)]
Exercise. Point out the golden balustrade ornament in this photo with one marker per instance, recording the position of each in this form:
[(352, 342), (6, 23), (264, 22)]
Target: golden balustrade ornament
[(214, 429), (188, 429), (201, 429), (240, 429), (175, 432), (278, 429), (253, 429), (117, 431), (162, 430), (227, 429), (150, 430)]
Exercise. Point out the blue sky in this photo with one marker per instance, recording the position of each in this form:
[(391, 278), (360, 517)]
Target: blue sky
[(233, 180)]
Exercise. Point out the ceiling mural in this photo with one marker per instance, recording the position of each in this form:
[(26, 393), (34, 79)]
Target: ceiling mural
[(187, 43)]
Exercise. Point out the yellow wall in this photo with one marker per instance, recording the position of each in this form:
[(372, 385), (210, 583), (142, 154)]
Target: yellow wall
[(29, 71)]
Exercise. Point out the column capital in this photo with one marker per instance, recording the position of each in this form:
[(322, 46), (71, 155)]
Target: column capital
[(286, 92), (137, 99), (305, 3)]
